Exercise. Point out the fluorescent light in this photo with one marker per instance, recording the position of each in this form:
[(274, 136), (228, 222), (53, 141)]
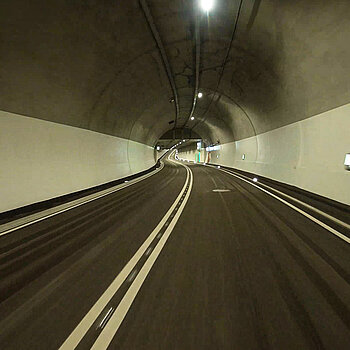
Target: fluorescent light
[(207, 5), (200, 95), (347, 159)]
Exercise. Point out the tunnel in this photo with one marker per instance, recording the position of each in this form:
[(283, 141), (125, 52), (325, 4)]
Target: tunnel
[(175, 174)]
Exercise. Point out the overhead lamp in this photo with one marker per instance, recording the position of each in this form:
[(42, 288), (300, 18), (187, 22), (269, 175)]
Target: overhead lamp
[(192, 118), (200, 95), (206, 5)]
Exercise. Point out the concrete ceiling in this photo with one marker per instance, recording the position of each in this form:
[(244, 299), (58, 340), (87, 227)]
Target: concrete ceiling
[(96, 64)]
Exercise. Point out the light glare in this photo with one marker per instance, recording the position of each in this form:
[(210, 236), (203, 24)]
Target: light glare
[(207, 5)]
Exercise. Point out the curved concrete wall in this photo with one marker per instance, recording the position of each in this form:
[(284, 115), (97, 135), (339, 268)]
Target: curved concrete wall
[(308, 154), (42, 160)]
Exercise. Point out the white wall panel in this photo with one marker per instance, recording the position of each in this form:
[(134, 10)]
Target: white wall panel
[(308, 154), (41, 160)]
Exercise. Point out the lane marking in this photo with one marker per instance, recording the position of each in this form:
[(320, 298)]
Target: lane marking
[(148, 251), (220, 190), (108, 333), (122, 186), (322, 224), (132, 276), (318, 211), (105, 319), (84, 325)]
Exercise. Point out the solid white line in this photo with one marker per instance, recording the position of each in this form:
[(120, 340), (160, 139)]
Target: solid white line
[(318, 211), (118, 316), (106, 317), (322, 224), (81, 329), (79, 204)]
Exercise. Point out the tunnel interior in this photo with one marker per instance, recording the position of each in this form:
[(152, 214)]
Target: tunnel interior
[(174, 174), (96, 65), (134, 70)]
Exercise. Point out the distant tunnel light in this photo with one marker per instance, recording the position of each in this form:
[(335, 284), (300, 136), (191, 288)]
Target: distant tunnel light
[(200, 95), (206, 5), (255, 179)]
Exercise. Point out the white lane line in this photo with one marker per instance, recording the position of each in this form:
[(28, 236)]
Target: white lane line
[(81, 329), (318, 211), (105, 319), (322, 224), (78, 204), (106, 336), (148, 251), (132, 276)]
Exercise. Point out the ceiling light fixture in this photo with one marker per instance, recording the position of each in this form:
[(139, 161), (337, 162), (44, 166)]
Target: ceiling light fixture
[(206, 5)]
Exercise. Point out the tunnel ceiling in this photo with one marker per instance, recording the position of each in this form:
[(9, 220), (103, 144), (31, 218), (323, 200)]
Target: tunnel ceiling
[(100, 65)]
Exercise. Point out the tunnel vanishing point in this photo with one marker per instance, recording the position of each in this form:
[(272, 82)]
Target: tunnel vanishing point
[(175, 174)]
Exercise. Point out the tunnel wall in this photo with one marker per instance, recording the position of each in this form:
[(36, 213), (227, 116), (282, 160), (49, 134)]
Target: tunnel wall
[(42, 160), (308, 154)]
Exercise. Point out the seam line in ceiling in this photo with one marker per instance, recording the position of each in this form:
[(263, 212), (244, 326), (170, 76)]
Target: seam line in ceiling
[(223, 66), (197, 63), (166, 64)]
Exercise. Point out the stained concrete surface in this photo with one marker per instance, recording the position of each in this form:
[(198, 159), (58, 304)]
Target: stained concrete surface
[(95, 64), (240, 270)]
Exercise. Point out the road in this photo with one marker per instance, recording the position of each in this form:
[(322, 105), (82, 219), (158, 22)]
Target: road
[(189, 258)]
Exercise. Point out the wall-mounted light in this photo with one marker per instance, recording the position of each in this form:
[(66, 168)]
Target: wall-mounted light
[(206, 5), (243, 156), (347, 161), (213, 148), (192, 118), (158, 148), (200, 95)]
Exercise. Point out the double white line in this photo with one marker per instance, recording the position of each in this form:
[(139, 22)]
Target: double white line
[(111, 327)]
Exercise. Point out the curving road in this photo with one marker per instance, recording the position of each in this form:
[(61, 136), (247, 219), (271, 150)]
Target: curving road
[(191, 257)]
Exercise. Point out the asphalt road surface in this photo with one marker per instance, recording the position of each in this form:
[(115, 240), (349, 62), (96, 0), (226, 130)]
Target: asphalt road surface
[(189, 258)]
